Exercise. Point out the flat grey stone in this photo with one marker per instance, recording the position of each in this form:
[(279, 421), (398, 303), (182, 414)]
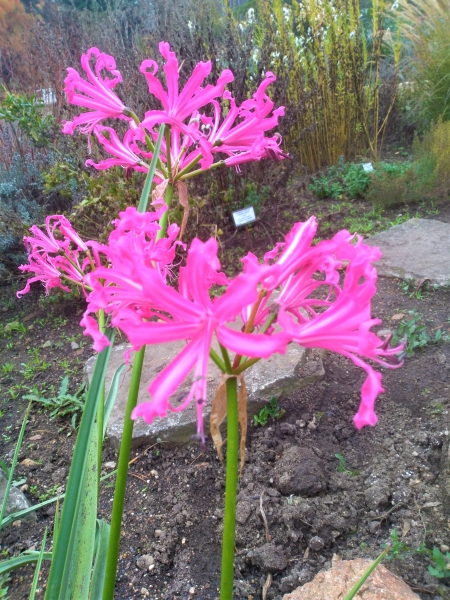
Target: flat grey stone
[(16, 500), (416, 249), (272, 377)]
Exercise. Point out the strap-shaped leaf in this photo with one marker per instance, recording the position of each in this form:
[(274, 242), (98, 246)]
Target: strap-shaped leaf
[(26, 558), (151, 173), (74, 489), (13, 464), (98, 575), (38, 567), (112, 395), (81, 558)]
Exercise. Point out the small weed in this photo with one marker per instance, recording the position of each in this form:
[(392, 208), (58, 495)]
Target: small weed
[(398, 549), (270, 410), (437, 407), (60, 321), (63, 403), (441, 567), (414, 289), (13, 327), (34, 365), (4, 581), (414, 335), (441, 562), (342, 466), (7, 368), (10, 345)]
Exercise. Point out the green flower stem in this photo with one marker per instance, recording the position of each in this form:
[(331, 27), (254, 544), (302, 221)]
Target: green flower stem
[(127, 435), (216, 358), (229, 521), (248, 363), (168, 156), (226, 359), (100, 409), (268, 322), (186, 169), (198, 171), (121, 481)]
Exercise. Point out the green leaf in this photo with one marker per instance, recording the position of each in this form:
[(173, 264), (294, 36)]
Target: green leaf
[(79, 563), (13, 464), (23, 559), (112, 395), (98, 575), (151, 172), (38, 567), (74, 490)]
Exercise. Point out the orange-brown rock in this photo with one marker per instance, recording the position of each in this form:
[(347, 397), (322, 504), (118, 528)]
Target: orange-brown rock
[(336, 583)]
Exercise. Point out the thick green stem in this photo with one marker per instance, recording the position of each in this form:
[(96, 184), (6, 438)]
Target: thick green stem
[(100, 410), (127, 435), (121, 481), (229, 521)]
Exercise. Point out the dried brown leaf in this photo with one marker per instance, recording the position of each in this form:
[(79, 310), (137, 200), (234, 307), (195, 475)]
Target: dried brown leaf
[(242, 412), (218, 414), (159, 191), (184, 201)]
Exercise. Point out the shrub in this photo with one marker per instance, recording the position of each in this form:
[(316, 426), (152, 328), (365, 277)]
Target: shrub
[(347, 179), (427, 66), (426, 178)]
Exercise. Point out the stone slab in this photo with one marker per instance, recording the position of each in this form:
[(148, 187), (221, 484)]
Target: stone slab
[(416, 249), (337, 582), (16, 500), (271, 377)]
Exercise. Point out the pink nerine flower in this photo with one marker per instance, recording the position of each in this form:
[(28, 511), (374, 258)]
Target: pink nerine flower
[(241, 133), (178, 106), (187, 314), (126, 152), (95, 94), (52, 259), (338, 319)]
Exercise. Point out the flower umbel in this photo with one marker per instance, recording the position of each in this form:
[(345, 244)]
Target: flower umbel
[(317, 296)]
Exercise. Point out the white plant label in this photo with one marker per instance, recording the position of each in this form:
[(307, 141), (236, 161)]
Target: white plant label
[(244, 216)]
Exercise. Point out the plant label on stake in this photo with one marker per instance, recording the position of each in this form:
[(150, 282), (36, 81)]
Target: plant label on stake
[(244, 216)]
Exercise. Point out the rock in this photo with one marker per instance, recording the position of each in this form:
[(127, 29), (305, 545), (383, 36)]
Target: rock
[(269, 558), (110, 465), (243, 510), (74, 345), (299, 472), (417, 249), (271, 377), (47, 344), (145, 561), (316, 543), (59, 475), (16, 500), (30, 464), (336, 583), (377, 494)]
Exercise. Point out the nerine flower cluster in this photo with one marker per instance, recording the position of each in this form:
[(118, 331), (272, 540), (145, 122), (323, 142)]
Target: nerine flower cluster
[(314, 295), (197, 139)]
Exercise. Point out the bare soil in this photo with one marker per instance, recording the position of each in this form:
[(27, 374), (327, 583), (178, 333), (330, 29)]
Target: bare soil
[(397, 472)]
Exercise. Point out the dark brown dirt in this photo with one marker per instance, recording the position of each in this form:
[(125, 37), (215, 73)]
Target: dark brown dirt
[(398, 472)]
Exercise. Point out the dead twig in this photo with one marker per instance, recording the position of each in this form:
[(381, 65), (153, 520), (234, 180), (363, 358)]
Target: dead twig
[(263, 515)]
